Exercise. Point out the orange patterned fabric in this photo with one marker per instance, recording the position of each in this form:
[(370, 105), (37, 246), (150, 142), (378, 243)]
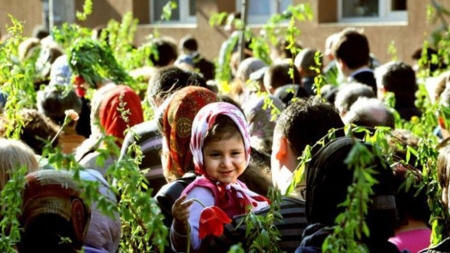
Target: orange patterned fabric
[(177, 124)]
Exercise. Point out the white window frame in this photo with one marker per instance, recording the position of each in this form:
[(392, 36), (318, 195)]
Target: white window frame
[(183, 8), (259, 19), (385, 14)]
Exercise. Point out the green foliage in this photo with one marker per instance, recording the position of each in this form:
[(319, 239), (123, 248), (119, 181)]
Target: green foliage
[(167, 10), (95, 62), (11, 203), (87, 10), (261, 233), (16, 78), (392, 51)]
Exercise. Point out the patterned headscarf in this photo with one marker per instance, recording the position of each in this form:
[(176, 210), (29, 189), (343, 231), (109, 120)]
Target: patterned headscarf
[(55, 192), (177, 123), (203, 122)]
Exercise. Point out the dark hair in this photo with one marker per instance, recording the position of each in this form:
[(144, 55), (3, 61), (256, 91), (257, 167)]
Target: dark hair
[(352, 48), (188, 42), (411, 201), (328, 179), (37, 130), (257, 174), (443, 168), (306, 121), (278, 75), (167, 80), (223, 129), (165, 51), (281, 48), (399, 78), (429, 53), (40, 32), (53, 101), (46, 233)]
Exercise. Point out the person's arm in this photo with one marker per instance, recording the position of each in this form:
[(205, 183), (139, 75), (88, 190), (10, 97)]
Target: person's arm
[(178, 233)]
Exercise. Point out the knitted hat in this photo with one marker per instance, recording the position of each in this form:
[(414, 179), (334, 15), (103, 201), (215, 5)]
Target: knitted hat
[(55, 192)]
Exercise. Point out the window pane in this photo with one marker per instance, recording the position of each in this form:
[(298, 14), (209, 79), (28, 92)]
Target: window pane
[(398, 5), (284, 5), (359, 8), (158, 7), (259, 7), (192, 7)]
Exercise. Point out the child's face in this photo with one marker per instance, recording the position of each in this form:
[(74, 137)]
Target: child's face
[(225, 159)]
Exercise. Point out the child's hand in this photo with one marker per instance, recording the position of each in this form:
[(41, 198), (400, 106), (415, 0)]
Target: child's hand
[(180, 213)]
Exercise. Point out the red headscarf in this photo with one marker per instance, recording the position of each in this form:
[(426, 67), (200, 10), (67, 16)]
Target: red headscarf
[(110, 114), (177, 124)]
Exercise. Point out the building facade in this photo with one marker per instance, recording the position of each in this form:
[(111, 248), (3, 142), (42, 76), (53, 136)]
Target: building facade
[(402, 23)]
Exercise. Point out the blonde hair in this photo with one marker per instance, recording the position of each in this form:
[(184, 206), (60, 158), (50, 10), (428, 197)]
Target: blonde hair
[(15, 154)]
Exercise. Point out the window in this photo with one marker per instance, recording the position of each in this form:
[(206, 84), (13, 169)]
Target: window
[(259, 11), (184, 13), (372, 10)]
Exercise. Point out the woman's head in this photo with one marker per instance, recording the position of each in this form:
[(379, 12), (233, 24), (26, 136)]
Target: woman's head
[(176, 124), (220, 138), (443, 168), (14, 155), (52, 210), (54, 100)]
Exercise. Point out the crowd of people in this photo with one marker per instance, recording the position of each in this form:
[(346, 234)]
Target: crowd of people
[(209, 146)]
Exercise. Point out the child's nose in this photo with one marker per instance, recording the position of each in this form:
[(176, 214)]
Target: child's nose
[(226, 161)]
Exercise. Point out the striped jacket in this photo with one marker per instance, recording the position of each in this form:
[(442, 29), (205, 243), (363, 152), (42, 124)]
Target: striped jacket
[(290, 227)]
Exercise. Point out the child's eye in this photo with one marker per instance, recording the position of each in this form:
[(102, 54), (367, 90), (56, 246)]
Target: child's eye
[(214, 155), (236, 153)]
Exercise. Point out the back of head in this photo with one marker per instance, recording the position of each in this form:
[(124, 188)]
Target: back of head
[(54, 100), (37, 130), (167, 80), (411, 202), (189, 44), (369, 112), (278, 75), (349, 93), (306, 60), (28, 48), (399, 78), (54, 218), (352, 48), (248, 66), (329, 42), (428, 54), (14, 155), (281, 50), (164, 52), (304, 122), (262, 114), (60, 73), (176, 126), (329, 176)]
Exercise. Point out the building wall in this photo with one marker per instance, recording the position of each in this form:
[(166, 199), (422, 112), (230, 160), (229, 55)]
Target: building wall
[(30, 14), (407, 36)]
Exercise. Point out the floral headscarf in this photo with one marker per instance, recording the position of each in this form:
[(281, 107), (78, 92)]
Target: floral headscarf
[(177, 123), (205, 119)]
